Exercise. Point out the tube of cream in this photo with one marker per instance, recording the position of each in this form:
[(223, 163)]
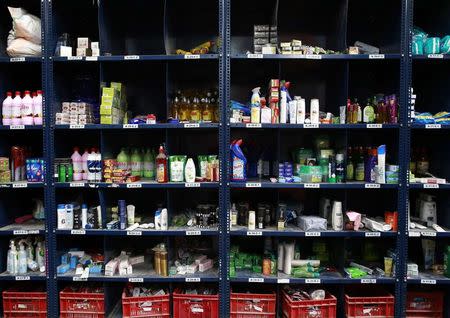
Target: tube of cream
[(342, 111), (301, 109), (130, 214), (381, 164)]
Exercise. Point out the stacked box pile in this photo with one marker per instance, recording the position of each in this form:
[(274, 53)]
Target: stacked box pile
[(75, 113), (114, 105), (264, 36)]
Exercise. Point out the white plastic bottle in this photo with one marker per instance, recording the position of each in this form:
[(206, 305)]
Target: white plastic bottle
[(16, 110), (337, 217), (189, 171), (22, 260), (77, 165), (84, 213), (98, 166), (7, 109), (91, 165), (84, 164), (164, 220), (37, 109), (27, 109)]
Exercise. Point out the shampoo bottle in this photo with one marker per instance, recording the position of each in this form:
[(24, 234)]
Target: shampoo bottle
[(337, 218), (164, 220), (301, 110), (283, 105), (189, 171)]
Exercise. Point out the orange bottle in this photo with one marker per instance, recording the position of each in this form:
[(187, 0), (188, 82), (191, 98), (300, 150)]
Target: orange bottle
[(161, 166)]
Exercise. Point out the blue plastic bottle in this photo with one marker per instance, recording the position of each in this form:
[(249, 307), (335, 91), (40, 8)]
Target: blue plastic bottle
[(238, 162)]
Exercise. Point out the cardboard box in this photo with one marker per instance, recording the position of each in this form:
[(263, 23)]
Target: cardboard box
[(95, 52), (95, 45), (83, 43), (66, 51), (84, 52)]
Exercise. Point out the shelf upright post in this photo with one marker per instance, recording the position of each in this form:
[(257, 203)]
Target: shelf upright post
[(404, 158)]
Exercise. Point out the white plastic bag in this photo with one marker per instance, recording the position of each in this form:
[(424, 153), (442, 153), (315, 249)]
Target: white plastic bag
[(21, 47), (26, 25)]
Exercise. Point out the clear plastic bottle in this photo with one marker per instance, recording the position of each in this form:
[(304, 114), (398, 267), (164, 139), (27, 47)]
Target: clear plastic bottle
[(136, 163), (7, 109), (149, 165), (122, 159), (16, 110), (40, 255), (162, 175), (22, 260), (11, 261)]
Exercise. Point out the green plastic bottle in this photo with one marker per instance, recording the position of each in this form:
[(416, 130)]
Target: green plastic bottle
[(122, 159), (136, 163), (149, 165)]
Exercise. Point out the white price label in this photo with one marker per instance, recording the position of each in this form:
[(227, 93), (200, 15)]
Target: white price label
[(192, 185), (20, 232), (76, 184), (435, 56), (433, 126), (253, 185), (130, 126), (368, 281), (193, 233), (254, 233), (312, 234), (372, 186), (312, 185), (78, 232), (313, 57), (17, 59), (76, 127), (74, 58), (131, 57), (312, 281), (134, 233), (17, 127), (33, 232), (428, 281), (431, 186), (134, 185), (376, 56), (311, 126), (251, 125), (79, 279), (192, 56), (136, 280), (372, 234), (20, 185), (256, 280), (374, 126), (194, 125), (283, 281), (414, 234), (192, 279), (22, 277), (428, 234), (255, 56), (91, 58)]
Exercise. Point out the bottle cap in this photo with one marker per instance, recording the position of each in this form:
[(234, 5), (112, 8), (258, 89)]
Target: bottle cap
[(17, 93), (9, 94)]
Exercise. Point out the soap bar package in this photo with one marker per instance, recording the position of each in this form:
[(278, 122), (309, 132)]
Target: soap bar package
[(312, 223)]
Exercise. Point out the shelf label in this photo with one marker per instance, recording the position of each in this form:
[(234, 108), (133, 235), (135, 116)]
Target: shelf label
[(130, 126), (376, 56), (310, 125), (368, 281), (253, 185), (76, 184), (312, 234), (193, 125), (134, 185), (76, 127), (312, 281), (79, 279), (16, 127), (255, 56), (433, 126), (254, 233), (193, 233), (192, 279), (428, 234), (91, 58), (74, 58), (431, 186), (428, 281), (20, 232), (78, 232), (256, 280), (313, 57), (136, 280), (251, 125), (131, 57), (22, 277), (17, 59), (312, 185), (134, 233), (435, 56), (20, 185), (192, 185), (33, 232), (372, 186), (283, 281), (372, 234), (414, 234), (192, 57), (374, 126)]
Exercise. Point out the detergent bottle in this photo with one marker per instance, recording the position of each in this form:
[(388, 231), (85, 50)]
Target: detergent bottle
[(238, 162)]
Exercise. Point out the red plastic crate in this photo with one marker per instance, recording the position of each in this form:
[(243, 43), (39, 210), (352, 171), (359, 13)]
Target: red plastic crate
[(375, 303), (309, 308), (253, 305), (81, 305), (195, 306), (425, 304), (146, 306), (19, 303)]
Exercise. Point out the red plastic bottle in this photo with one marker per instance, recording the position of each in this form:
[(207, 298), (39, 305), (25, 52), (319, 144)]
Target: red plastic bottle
[(161, 166)]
